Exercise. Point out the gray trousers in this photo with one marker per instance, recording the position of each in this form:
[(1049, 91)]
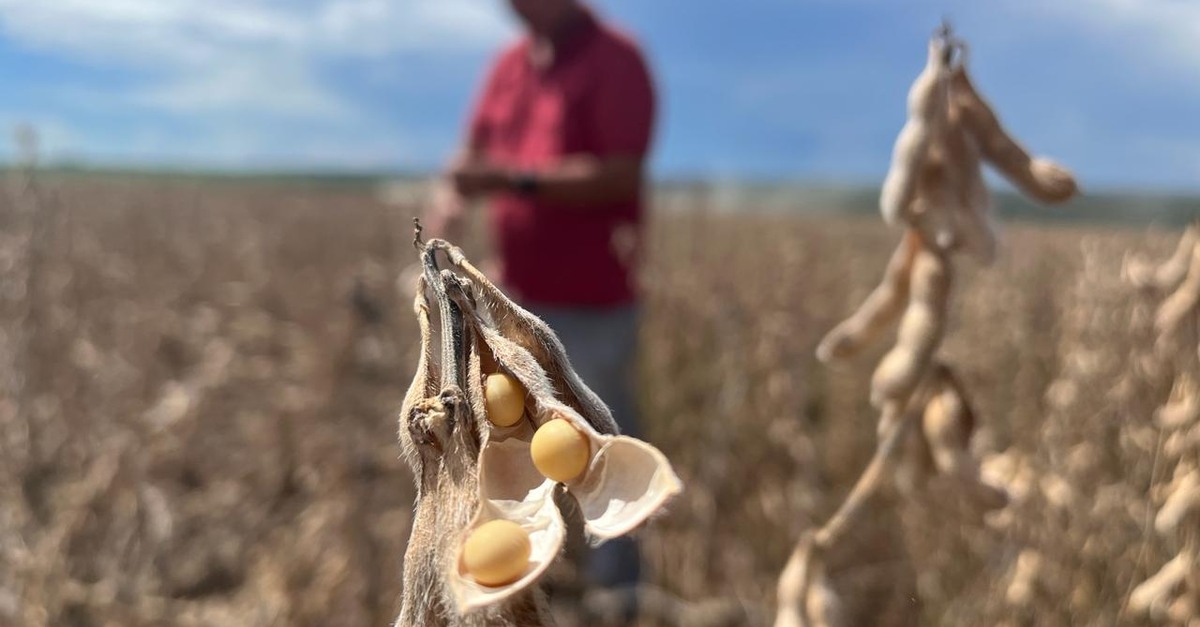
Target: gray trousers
[(602, 347)]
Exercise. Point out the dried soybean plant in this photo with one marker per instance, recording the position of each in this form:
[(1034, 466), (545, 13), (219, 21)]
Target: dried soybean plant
[(1173, 593), (23, 245), (495, 426), (935, 189)]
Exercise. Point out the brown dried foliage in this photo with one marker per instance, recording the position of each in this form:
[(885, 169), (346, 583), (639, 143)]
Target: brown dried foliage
[(206, 430)]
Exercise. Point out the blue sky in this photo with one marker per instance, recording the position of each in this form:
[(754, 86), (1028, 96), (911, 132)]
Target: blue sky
[(808, 89)]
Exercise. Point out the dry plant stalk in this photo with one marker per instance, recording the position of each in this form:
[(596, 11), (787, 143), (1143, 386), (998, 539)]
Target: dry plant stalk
[(941, 412), (470, 472), (935, 189), (803, 595)]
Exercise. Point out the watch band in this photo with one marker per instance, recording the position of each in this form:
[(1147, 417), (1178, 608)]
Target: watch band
[(525, 183)]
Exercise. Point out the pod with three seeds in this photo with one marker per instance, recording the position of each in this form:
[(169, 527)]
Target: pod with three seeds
[(619, 481)]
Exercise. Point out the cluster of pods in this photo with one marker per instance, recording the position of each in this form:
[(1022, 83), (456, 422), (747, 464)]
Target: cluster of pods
[(935, 191), (1173, 593)]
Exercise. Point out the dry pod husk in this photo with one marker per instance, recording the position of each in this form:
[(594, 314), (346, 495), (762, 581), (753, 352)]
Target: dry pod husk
[(921, 330), (518, 494), (1184, 407), (935, 189), (1027, 571), (1168, 276), (804, 594), (882, 306), (1037, 177), (1180, 305), (1152, 595), (926, 124), (1182, 501), (935, 183), (947, 424), (472, 472)]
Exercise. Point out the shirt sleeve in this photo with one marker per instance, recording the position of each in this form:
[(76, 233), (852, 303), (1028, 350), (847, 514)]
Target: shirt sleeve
[(624, 107)]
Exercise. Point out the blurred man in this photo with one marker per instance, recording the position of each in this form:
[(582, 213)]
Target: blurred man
[(557, 143)]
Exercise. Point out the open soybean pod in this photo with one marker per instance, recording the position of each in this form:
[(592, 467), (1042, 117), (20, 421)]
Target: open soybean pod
[(619, 482)]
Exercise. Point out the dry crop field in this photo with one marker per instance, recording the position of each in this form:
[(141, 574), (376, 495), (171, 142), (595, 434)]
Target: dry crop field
[(200, 380)]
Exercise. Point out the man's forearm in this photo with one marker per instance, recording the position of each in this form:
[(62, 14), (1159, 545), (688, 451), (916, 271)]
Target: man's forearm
[(587, 181), (574, 182)]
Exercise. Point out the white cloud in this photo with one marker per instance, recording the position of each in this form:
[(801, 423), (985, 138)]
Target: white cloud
[(252, 55), (373, 27), (284, 88), (155, 31), (143, 33), (1165, 33)]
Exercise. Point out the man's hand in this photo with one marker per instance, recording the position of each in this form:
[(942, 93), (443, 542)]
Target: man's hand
[(445, 212), (467, 179), (474, 179)]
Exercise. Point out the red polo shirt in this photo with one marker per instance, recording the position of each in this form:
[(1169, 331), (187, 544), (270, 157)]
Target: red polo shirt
[(595, 99)]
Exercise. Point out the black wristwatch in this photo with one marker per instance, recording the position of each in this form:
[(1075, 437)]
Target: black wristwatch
[(525, 183)]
